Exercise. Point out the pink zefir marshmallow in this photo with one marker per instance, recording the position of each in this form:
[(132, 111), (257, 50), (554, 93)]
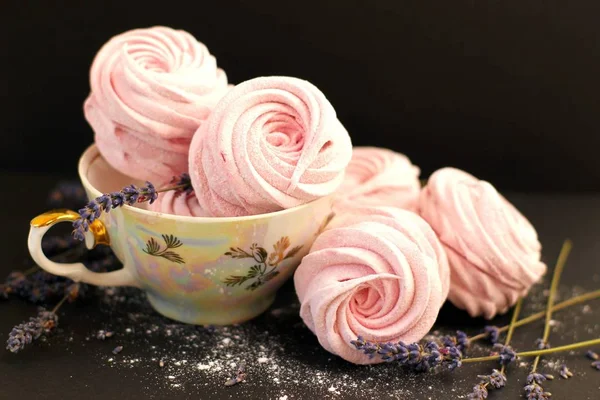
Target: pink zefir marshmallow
[(493, 250), (150, 91), (172, 202), (380, 274), (271, 143), (378, 177)]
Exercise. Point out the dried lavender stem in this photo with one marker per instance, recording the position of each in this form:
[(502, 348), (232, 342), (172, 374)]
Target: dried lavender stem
[(31, 270), (533, 353), (534, 317), (511, 327), (560, 265), (169, 188), (60, 303)]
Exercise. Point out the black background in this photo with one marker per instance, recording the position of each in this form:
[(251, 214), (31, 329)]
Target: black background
[(507, 90)]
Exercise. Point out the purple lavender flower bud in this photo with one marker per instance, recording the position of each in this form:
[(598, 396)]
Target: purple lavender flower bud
[(358, 343), (104, 202), (117, 199), (565, 373), (388, 352), (448, 341), (536, 378), (507, 355), (414, 354), (596, 364), (455, 357), (480, 392), (462, 341), (493, 333), (402, 356), (591, 355), (131, 194), (150, 193), (534, 389), (185, 181), (497, 379), (541, 344)]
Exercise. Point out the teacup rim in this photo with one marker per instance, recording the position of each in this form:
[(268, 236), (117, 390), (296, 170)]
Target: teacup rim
[(92, 153)]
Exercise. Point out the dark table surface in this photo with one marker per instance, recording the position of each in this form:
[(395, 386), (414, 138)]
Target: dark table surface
[(283, 359)]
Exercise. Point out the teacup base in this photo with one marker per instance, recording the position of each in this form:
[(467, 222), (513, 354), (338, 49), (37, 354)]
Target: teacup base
[(210, 316)]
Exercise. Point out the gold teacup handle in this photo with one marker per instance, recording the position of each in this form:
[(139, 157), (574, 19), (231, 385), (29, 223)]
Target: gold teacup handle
[(76, 271)]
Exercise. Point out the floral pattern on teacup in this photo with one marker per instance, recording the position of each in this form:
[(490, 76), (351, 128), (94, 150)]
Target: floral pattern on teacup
[(265, 267)]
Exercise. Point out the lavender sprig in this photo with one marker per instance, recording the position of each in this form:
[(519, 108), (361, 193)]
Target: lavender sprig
[(129, 195), (414, 356), (24, 334), (495, 380), (42, 325)]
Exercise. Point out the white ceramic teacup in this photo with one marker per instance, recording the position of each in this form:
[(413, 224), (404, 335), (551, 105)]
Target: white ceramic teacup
[(194, 269)]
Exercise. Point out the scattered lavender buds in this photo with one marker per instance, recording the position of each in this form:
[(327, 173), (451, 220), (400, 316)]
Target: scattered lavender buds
[(102, 335), (592, 356), (540, 344), (23, 334), (493, 333), (596, 364), (117, 350), (240, 376), (414, 356), (565, 373)]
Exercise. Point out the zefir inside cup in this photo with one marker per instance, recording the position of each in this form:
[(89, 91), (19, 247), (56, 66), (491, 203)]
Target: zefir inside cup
[(197, 270)]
